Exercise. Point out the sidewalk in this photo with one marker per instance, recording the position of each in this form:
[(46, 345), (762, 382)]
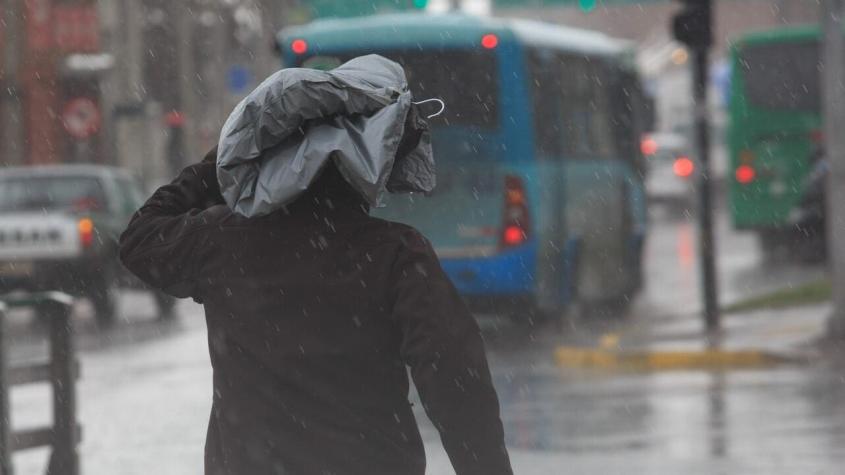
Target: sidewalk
[(751, 339)]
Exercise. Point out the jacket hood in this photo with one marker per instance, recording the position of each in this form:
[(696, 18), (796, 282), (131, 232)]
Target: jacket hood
[(277, 140)]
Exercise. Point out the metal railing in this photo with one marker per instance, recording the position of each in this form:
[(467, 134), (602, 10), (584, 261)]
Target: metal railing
[(61, 371)]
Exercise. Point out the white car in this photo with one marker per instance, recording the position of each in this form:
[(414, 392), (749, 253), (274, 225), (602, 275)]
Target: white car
[(671, 171)]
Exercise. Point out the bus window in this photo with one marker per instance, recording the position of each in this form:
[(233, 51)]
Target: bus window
[(545, 93), (629, 116), (782, 76), (466, 80), (585, 108), (602, 138)]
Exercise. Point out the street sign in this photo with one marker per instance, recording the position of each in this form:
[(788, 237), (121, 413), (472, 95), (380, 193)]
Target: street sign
[(238, 78), (81, 117)]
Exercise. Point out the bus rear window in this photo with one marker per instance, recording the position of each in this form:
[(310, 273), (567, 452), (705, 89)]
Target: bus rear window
[(783, 76), (465, 80)]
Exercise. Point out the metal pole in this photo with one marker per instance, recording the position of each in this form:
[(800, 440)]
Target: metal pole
[(5, 421), (707, 241), (64, 460), (833, 50)]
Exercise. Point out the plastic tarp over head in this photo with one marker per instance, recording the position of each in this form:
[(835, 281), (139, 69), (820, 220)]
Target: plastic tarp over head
[(276, 141)]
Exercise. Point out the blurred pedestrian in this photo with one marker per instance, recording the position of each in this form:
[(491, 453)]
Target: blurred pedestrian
[(315, 309)]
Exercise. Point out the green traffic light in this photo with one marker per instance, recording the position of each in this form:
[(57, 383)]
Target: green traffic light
[(420, 3), (587, 6)]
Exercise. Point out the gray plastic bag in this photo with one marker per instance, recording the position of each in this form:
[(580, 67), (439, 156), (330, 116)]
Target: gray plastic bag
[(276, 141)]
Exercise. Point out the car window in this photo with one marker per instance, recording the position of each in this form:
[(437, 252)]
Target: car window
[(51, 193), (130, 193)]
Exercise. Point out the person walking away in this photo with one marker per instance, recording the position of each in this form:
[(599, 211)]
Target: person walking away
[(316, 310)]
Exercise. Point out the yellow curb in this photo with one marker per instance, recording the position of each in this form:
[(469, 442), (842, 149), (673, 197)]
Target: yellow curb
[(587, 358)]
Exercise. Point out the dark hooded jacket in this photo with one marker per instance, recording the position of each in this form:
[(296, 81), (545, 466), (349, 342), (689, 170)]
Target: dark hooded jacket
[(314, 314)]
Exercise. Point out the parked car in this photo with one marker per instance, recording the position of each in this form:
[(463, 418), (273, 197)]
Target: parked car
[(670, 170), (59, 227)]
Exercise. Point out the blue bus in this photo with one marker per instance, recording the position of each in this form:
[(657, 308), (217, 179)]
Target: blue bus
[(539, 201)]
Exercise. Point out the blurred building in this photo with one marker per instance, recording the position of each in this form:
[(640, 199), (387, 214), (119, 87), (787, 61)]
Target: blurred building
[(181, 66), (144, 84)]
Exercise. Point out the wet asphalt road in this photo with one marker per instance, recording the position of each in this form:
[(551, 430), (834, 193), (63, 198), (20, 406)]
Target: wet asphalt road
[(145, 393)]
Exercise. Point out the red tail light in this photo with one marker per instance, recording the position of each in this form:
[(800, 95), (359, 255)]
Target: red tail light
[(648, 146), (299, 46), (683, 167), (86, 231), (489, 41), (745, 174), (515, 222)]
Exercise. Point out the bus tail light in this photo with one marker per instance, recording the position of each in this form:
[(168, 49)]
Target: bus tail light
[(299, 46), (489, 41), (515, 222), (86, 232), (745, 174)]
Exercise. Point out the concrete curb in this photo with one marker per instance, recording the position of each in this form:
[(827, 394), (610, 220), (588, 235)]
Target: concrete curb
[(712, 359)]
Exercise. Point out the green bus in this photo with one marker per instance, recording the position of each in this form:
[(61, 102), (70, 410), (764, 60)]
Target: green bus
[(539, 200), (775, 128)]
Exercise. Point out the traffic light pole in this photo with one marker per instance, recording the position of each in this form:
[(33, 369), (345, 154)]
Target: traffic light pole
[(707, 241), (692, 26)]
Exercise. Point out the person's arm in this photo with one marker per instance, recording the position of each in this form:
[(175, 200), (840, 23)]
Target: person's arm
[(163, 239), (443, 347)]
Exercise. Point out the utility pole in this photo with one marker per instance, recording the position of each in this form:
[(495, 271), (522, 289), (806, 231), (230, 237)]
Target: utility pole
[(833, 105), (692, 26), (10, 99)]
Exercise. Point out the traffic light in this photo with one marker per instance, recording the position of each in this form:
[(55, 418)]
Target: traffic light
[(692, 24), (587, 6), (419, 4)]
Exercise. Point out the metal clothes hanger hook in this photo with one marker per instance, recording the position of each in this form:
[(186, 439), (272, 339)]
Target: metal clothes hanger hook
[(442, 106)]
